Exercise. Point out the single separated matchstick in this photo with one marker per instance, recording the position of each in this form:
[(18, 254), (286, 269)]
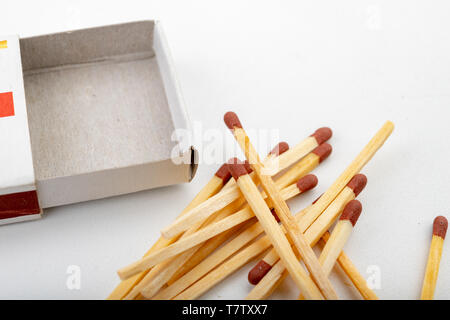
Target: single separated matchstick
[(282, 210), (440, 226), (273, 230), (214, 185), (339, 237), (285, 159), (304, 184)]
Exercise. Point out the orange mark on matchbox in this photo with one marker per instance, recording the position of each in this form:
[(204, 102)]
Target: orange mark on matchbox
[(6, 104), (3, 44)]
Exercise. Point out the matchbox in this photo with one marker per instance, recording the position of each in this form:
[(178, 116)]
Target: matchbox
[(100, 119)]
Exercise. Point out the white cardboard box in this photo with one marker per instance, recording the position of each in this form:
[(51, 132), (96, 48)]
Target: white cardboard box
[(95, 112)]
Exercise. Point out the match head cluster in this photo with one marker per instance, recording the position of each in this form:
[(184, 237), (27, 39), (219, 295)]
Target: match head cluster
[(231, 120)]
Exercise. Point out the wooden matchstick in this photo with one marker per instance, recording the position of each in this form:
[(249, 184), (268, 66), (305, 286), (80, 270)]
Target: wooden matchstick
[(339, 237), (298, 170), (440, 226), (304, 184), (217, 202), (219, 269), (314, 231), (283, 212), (220, 178), (273, 230)]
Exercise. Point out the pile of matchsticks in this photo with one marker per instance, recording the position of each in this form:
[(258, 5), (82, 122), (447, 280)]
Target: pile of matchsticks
[(241, 214)]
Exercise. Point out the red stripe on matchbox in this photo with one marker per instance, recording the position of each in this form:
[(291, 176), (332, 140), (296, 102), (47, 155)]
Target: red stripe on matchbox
[(6, 104), (19, 204)]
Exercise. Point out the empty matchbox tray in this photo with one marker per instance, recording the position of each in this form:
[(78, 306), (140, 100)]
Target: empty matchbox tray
[(88, 114)]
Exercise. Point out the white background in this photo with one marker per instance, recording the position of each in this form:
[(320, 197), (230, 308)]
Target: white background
[(293, 66)]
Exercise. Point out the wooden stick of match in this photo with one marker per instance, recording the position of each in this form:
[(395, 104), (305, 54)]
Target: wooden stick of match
[(220, 178), (267, 278), (282, 210), (304, 184), (298, 170), (285, 159), (213, 269), (339, 237), (440, 226), (273, 230), (156, 278), (217, 202)]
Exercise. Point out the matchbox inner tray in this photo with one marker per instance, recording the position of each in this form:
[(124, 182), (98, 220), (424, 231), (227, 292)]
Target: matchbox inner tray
[(103, 105)]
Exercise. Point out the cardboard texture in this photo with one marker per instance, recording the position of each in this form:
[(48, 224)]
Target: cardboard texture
[(103, 104)]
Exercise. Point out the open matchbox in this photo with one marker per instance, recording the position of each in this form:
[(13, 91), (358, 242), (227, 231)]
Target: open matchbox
[(88, 114)]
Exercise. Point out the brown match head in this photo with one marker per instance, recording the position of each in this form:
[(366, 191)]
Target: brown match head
[(237, 168), (232, 120), (357, 183), (258, 272), (322, 135), (323, 151), (223, 173), (440, 226), (307, 182), (280, 148), (352, 211)]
